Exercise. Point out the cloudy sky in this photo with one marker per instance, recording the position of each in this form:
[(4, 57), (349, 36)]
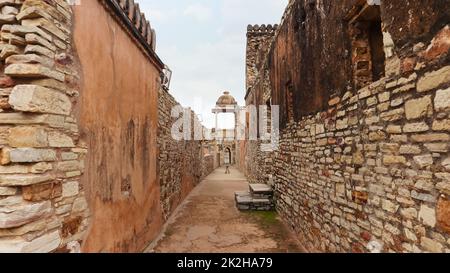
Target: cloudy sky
[(203, 42)]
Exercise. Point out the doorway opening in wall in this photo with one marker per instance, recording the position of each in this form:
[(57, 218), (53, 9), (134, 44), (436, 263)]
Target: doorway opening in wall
[(227, 156), (368, 57)]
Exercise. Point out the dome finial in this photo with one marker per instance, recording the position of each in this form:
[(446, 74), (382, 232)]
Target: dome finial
[(226, 100)]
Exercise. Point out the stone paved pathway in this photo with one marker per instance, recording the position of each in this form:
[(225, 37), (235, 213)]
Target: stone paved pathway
[(208, 222)]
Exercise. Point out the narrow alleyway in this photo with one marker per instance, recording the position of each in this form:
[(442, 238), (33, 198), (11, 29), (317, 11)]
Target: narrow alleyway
[(208, 221)]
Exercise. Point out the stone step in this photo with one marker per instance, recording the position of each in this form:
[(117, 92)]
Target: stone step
[(245, 201), (262, 191)]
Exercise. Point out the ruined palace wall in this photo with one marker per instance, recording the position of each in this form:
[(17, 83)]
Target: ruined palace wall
[(118, 114), (181, 164), (43, 204), (81, 108), (362, 168), (259, 40)]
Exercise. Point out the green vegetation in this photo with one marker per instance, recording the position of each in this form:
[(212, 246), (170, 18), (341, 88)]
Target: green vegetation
[(266, 218)]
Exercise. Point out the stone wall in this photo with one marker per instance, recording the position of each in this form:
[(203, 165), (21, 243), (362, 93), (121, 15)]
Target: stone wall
[(181, 164), (368, 170), (43, 205), (259, 39), (81, 109)]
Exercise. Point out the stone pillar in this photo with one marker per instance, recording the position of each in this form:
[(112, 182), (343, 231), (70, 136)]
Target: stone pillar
[(42, 203)]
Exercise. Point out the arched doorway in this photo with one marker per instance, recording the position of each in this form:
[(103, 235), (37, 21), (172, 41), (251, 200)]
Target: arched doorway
[(227, 156)]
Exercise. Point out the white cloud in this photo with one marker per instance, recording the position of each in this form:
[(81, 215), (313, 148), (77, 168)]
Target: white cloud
[(199, 12), (207, 58)]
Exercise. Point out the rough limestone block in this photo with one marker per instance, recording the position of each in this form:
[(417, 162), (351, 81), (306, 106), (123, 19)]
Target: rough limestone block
[(434, 79), (33, 71), (46, 25), (59, 140), (29, 59), (7, 191), (37, 99), (32, 38), (42, 192), (442, 100), (79, 205), (28, 155), (8, 50), (24, 180), (28, 137), (23, 30), (419, 108), (431, 245), (70, 189), (441, 125), (23, 214), (67, 166), (427, 215), (416, 127), (431, 138), (44, 244)]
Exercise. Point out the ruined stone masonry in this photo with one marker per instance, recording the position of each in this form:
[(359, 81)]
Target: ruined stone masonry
[(259, 39), (77, 151), (179, 164), (363, 164), (43, 205)]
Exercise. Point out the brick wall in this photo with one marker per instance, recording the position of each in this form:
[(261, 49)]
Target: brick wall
[(368, 170)]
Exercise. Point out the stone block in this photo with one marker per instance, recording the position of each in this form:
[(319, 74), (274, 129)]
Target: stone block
[(33, 71), (441, 125), (431, 245), (394, 129), (5, 156), (410, 150), (73, 165), (418, 127), (43, 244), (389, 206), (427, 216), (423, 161), (7, 191), (437, 147), (41, 192), (394, 115), (23, 214), (419, 108), (431, 138), (434, 79), (60, 140), (79, 205), (442, 100), (37, 99), (70, 189), (392, 160), (29, 58), (24, 180), (30, 137), (29, 155), (409, 213)]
